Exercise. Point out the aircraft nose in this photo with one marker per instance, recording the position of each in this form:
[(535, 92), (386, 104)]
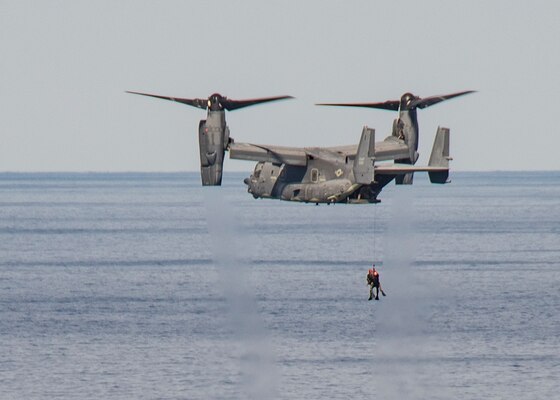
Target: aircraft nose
[(247, 181)]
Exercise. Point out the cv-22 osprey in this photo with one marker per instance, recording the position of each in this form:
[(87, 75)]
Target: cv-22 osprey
[(343, 174)]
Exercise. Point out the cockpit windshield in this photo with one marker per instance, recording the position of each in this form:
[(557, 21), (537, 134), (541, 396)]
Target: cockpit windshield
[(258, 169)]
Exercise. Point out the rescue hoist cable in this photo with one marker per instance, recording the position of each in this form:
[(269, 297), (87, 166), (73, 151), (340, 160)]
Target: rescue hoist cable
[(374, 234)]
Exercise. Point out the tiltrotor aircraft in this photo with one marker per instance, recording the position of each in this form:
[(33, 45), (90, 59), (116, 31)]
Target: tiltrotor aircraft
[(343, 174)]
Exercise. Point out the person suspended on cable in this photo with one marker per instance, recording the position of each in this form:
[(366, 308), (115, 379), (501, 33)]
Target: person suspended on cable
[(374, 282)]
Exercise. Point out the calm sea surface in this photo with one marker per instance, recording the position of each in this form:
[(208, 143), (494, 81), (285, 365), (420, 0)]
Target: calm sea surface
[(149, 286)]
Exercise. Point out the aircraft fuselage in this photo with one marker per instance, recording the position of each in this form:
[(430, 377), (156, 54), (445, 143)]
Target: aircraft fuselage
[(319, 182)]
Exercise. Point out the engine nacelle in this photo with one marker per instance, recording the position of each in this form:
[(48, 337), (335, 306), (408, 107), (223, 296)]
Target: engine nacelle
[(213, 138)]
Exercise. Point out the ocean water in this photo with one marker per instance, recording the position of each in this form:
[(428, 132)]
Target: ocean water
[(148, 286)]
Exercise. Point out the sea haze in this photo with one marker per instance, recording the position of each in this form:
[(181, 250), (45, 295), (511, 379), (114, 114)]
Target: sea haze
[(150, 286)]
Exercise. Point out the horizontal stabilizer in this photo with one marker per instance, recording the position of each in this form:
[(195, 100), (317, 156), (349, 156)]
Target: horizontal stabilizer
[(437, 168), (401, 169)]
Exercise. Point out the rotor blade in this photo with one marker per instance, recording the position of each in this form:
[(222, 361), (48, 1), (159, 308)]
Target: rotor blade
[(430, 101), (392, 105), (198, 103), (231, 105)]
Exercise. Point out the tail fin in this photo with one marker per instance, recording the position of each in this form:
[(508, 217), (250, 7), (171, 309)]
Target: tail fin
[(365, 158), (440, 156)]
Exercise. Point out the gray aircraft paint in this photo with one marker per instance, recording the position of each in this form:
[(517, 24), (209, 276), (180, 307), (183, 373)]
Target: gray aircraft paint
[(343, 174)]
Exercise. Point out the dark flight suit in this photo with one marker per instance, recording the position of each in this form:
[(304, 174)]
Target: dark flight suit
[(373, 282)]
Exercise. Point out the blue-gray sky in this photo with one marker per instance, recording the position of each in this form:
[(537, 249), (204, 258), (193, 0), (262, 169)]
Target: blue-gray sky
[(66, 64)]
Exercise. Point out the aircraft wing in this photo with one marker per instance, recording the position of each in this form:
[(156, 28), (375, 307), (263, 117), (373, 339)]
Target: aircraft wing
[(274, 154), (389, 149)]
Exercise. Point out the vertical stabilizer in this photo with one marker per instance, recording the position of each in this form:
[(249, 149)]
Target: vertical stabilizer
[(440, 156), (365, 158)]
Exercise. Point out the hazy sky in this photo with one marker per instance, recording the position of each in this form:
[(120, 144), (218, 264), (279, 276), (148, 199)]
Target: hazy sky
[(66, 64)]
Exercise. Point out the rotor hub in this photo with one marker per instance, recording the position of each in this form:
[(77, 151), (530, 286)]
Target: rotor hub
[(215, 102), (406, 101)]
